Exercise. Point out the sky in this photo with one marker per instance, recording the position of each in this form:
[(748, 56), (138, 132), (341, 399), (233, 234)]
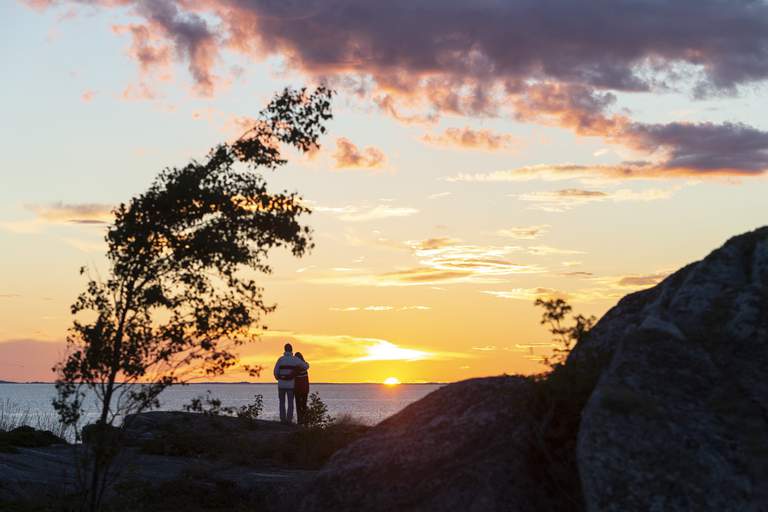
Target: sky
[(482, 154)]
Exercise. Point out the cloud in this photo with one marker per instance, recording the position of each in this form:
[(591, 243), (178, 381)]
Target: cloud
[(545, 250), (708, 148), (377, 213), (148, 51), (566, 199), (88, 95), (380, 308), (439, 195), (444, 261), (524, 233), (193, 41), (482, 43), (534, 61), (641, 281), (577, 274), (363, 212), (81, 213), (432, 243), (526, 294), (24, 360), (559, 172), (608, 288), (467, 138), (348, 156), (353, 349)]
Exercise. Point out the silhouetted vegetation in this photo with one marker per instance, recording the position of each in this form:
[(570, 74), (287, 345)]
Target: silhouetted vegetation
[(557, 401), (13, 415), (178, 295), (208, 405), (564, 337), (316, 415)]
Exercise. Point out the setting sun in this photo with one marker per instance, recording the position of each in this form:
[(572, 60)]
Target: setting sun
[(391, 381)]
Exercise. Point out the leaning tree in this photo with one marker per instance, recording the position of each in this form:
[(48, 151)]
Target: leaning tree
[(180, 293)]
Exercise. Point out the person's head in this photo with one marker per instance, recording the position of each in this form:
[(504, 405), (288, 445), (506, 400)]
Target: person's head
[(288, 348), (298, 354)]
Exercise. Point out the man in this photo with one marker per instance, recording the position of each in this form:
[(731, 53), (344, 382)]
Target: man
[(285, 372)]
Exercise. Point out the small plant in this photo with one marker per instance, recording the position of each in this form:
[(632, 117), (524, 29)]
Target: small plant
[(317, 415), (252, 411), (210, 406), (564, 337), (206, 404)]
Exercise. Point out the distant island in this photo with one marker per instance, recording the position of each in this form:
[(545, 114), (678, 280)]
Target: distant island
[(28, 382)]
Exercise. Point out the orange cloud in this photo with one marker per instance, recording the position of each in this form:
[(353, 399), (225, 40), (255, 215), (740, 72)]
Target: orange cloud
[(348, 156), (467, 138), (524, 233), (85, 213)]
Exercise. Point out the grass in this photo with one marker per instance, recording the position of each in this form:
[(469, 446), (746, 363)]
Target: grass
[(47, 428), (13, 415)]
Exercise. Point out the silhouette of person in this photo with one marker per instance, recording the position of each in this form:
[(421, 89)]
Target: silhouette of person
[(301, 392), (286, 368)]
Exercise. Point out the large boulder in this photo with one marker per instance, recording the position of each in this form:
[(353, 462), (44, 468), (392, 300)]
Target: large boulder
[(459, 448), (679, 418)]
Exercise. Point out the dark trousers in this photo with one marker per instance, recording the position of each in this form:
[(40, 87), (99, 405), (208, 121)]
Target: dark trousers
[(282, 395), (301, 405)]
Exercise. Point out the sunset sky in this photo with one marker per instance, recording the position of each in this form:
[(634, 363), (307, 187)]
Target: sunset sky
[(483, 154)]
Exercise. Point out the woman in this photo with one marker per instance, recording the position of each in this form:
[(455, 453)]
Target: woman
[(301, 391)]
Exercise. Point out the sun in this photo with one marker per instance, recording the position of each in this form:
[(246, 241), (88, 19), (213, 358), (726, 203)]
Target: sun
[(391, 381)]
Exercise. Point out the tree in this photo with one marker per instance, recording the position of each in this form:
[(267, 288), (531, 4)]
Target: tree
[(180, 294), (564, 337), (555, 405)]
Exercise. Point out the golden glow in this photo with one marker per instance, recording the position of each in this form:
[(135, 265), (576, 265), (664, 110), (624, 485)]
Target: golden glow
[(391, 381), (385, 351)]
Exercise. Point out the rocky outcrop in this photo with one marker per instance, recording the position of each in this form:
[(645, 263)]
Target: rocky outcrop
[(456, 449), (679, 418)]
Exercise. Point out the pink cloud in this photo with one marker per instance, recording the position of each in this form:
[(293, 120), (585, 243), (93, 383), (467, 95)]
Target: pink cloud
[(349, 156)]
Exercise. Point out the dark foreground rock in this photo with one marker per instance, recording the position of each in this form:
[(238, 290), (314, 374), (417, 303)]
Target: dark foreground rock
[(27, 437), (663, 408), (679, 419), (456, 449)]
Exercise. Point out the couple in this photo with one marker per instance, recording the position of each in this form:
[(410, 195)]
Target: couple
[(292, 380)]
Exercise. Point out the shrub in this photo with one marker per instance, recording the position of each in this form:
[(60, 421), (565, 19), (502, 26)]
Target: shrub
[(210, 406), (251, 411), (316, 415), (205, 404)]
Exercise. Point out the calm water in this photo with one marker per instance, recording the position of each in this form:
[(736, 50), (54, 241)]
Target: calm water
[(369, 403)]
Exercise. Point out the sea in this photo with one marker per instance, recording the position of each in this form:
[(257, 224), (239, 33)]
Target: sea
[(368, 403)]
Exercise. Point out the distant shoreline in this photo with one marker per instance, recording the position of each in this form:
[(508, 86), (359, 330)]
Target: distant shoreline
[(269, 383)]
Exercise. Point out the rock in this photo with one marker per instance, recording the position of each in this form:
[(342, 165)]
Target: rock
[(166, 453), (679, 418), (90, 432), (28, 437), (459, 448)]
